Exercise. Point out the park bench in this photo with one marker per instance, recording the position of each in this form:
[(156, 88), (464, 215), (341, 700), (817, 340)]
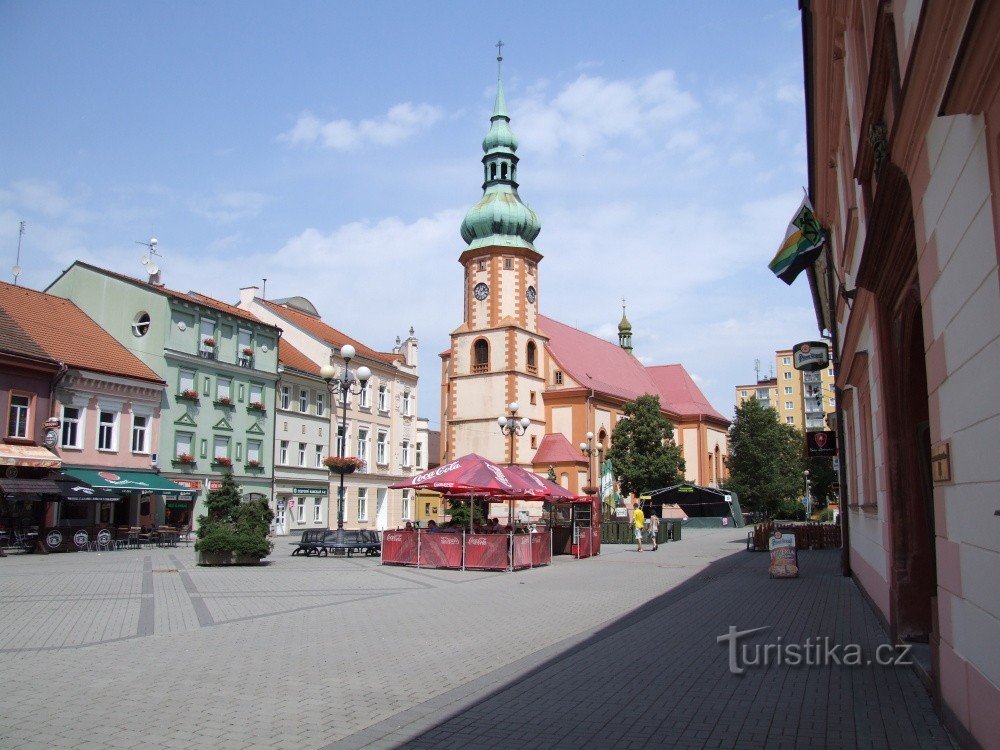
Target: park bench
[(345, 541)]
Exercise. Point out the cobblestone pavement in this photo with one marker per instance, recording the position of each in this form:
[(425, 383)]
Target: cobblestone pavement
[(142, 649)]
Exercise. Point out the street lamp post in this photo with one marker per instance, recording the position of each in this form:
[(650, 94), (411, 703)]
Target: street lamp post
[(512, 427), (590, 450), (348, 382), (808, 499)]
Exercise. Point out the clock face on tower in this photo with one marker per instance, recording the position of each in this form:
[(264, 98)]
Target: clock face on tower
[(481, 291), (530, 294)]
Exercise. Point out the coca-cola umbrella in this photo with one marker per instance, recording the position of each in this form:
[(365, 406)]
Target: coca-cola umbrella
[(530, 486), (468, 474)]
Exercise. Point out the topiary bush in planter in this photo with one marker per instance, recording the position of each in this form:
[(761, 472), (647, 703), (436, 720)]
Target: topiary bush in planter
[(233, 532)]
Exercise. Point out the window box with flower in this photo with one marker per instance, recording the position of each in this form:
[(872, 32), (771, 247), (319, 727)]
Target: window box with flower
[(188, 394), (185, 459), (345, 465), (224, 401), (256, 406), (254, 465), (246, 357), (222, 461)]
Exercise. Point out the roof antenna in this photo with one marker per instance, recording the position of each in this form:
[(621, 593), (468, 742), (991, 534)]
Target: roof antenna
[(263, 293), (149, 261), (17, 270)]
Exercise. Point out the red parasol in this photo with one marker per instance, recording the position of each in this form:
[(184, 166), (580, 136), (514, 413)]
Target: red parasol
[(468, 474), (531, 486)]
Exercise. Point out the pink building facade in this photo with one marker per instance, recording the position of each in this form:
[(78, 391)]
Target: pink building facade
[(903, 113)]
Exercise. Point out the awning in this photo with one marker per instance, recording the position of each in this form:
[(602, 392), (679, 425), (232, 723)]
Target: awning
[(127, 481), (28, 487), (32, 456), (80, 492)]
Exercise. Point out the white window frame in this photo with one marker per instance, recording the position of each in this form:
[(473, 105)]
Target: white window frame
[(788, 375), (317, 510), (407, 506), (115, 418), (383, 397), (146, 433), (419, 456), (320, 403), (186, 380), (286, 397), (256, 393), (786, 360), (300, 510), (364, 398), (80, 430), (382, 448), (253, 450), (789, 420), (406, 453), (283, 453), (180, 440), (302, 454), (220, 441), (406, 409), (223, 388), (364, 436), (303, 401), (789, 405), (340, 440), (362, 503), (788, 390)]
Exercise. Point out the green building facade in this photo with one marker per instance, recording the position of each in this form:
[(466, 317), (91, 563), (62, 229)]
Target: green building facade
[(220, 366)]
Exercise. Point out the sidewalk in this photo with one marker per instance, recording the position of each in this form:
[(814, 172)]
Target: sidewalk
[(142, 649)]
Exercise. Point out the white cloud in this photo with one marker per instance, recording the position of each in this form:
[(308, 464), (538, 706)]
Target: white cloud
[(401, 122), (227, 207), (592, 111)]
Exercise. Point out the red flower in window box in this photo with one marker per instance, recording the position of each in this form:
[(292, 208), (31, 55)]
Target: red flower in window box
[(190, 393), (185, 458), (258, 405), (248, 351), (225, 400), (209, 342), (222, 461), (254, 464)]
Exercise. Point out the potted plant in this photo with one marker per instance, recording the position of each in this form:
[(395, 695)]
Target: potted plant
[(253, 463), (258, 405), (185, 458), (225, 401), (222, 461), (589, 490), (248, 351), (208, 342), (190, 393), (233, 532), (345, 465)]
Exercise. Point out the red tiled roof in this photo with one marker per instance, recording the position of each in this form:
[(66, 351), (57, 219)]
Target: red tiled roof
[(15, 340), (327, 333), (66, 333), (194, 297), (608, 369), (556, 449), (680, 393), (289, 356)]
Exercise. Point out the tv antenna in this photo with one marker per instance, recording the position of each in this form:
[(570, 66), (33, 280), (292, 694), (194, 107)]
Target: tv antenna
[(148, 261), (756, 368), (17, 270)]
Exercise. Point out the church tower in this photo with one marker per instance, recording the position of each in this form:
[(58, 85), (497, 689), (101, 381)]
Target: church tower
[(497, 355)]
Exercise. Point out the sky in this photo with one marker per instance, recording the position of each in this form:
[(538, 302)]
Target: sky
[(334, 148)]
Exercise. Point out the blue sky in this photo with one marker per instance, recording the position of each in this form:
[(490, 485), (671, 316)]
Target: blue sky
[(334, 148)]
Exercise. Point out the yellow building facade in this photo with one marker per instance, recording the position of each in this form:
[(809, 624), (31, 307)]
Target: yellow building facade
[(802, 399)]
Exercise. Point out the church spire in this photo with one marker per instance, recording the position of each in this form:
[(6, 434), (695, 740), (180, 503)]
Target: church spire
[(625, 331), (500, 217)]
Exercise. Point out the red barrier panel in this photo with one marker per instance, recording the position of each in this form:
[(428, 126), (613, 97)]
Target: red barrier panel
[(399, 548), (522, 551), (597, 540), (440, 550), (541, 549), (486, 551)]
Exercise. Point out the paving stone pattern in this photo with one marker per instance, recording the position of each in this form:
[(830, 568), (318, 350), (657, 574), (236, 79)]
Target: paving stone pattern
[(143, 649)]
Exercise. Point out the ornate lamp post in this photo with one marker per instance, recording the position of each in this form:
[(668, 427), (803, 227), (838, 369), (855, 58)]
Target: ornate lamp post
[(590, 451), (808, 499), (348, 382), (512, 426)]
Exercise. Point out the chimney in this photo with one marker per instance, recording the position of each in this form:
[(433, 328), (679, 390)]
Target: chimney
[(247, 295)]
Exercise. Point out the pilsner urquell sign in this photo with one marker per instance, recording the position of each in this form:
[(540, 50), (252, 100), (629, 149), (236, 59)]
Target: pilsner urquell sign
[(810, 355)]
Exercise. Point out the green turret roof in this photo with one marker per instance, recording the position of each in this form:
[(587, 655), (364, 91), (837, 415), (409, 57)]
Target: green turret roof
[(500, 217)]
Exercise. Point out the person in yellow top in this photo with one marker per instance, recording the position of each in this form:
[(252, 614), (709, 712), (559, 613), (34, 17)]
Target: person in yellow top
[(638, 521)]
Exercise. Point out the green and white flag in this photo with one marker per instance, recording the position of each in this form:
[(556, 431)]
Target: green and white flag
[(803, 243)]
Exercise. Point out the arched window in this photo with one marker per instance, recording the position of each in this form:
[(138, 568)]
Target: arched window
[(481, 356), (493, 171), (532, 357), (503, 170)]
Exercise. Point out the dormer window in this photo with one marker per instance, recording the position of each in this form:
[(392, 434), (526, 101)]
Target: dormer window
[(559, 377)]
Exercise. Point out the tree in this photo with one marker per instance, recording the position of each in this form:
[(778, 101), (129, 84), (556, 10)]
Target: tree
[(643, 453), (232, 526), (822, 479), (458, 511), (765, 460)]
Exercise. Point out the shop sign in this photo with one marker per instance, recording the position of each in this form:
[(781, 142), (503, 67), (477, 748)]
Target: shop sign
[(784, 559), (810, 356), (177, 505), (214, 484), (192, 484), (309, 490), (291, 503), (941, 461), (821, 443)]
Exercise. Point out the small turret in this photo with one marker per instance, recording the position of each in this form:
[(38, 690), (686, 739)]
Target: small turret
[(625, 332)]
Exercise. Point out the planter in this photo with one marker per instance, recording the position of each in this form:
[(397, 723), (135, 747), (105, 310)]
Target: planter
[(226, 558), (349, 469)]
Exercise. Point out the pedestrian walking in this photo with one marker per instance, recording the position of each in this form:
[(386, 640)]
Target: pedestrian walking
[(654, 530), (639, 521)]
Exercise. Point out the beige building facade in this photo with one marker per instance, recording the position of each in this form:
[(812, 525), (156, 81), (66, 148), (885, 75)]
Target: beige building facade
[(803, 400)]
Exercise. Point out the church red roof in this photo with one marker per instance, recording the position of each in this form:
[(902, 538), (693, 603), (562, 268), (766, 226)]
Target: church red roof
[(677, 388), (608, 369), (556, 449)]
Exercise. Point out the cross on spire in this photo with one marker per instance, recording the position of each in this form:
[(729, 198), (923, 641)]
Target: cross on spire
[(499, 46)]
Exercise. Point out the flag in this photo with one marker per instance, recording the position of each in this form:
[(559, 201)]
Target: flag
[(802, 245)]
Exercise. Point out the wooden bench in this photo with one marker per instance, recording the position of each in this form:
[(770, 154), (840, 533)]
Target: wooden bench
[(345, 541)]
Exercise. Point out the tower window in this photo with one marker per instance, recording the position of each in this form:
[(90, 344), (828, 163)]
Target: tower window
[(493, 171), (503, 170), (559, 377), (532, 357), (508, 263), (481, 356), (482, 265)]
